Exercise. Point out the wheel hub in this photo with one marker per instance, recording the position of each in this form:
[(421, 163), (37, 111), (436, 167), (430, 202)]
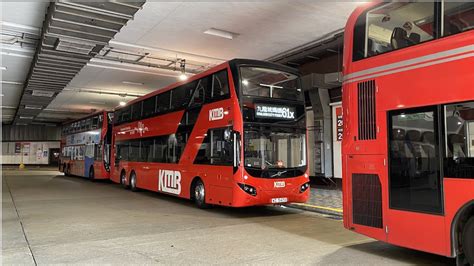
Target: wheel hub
[(199, 192)]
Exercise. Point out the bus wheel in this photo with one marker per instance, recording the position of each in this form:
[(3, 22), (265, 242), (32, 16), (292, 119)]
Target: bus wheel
[(133, 182), (123, 180), (91, 174), (468, 241), (200, 194)]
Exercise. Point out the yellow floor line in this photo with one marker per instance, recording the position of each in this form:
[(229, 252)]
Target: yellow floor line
[(320, 207)]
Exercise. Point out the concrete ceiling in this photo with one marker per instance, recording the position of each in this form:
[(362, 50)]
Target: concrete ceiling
[(142, 56)]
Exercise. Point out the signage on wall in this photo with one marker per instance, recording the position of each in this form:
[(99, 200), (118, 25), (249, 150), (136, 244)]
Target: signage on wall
[(339, 124), (17, 147), (274, 111)]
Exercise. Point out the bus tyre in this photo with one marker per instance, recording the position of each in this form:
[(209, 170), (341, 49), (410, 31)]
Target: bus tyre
[(200, 194), (468, 241), (123, 180), (133, 182), (91, 174)]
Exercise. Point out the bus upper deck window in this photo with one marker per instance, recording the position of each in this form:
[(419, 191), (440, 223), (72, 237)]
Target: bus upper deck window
[(458, 17), (394, 26)]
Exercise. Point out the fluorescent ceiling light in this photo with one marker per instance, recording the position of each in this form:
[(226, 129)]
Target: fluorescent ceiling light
[(133, 83), (33, 107), (100, 103), (43, 93), (183, 77), (3, 68), (26, 117), (221, 33)]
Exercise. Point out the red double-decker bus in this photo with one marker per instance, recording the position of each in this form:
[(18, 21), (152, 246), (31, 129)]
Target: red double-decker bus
[(233, 136), (408, 147), (85, 145)]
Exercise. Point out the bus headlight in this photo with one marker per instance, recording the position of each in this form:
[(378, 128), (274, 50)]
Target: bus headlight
[(304, 187), (248, 189)]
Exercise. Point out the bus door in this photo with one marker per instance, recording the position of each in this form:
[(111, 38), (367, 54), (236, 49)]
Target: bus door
[(415, 214)]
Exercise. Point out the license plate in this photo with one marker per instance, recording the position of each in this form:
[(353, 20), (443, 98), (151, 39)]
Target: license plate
[(279, 200), (279, 184)]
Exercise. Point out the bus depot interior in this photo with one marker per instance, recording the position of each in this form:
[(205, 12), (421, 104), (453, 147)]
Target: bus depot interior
[(259, 132)]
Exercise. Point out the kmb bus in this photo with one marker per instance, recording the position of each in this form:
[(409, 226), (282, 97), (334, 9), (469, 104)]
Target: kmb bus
[(408, 144), (85, 145), (233, 136)]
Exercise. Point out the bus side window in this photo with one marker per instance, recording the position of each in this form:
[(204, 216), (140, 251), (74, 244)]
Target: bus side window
[(95, 121), (458, 17), (181, 95), (134, 152), (126, 115), (220, 85), (163, 102), (393, 26), (215, 149), (149, 107), (159, 150), (202, 93), (459, 139), (136, 111)]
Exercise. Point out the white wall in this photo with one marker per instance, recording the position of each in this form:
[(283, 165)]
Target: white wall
[(29, 152), (336, 144)]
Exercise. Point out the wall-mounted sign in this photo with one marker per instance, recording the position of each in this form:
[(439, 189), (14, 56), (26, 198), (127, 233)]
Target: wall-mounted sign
[(274, 111), (17, 147), (339, 124)]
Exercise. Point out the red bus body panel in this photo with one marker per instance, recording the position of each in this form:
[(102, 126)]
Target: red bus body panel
[(440, 80)]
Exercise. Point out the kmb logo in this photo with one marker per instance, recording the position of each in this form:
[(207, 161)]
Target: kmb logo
[(169, 181), (216, 114)]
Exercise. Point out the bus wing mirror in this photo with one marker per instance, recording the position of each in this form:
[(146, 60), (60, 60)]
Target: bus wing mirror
[(228, 134)]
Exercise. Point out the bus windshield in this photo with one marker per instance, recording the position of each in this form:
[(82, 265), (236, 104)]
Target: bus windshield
[(274, 148), (270, 83)]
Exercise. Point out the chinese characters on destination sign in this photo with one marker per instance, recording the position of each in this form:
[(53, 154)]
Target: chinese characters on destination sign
[(269, 111)]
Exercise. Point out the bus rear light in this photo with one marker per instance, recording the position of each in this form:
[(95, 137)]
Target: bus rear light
[(304, 187), (248, 189)]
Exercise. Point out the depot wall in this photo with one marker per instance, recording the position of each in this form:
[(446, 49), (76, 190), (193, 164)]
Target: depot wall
[(29, 145), (37, 153)]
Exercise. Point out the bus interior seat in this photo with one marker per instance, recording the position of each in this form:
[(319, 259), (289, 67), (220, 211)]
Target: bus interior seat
[(399, 38), (398, 159), (456, 145), (398, 146), (414, 38), (428, 140), (418, 160), (370, 47)]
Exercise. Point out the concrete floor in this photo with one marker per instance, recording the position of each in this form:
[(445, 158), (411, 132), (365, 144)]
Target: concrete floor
[(57, 219)]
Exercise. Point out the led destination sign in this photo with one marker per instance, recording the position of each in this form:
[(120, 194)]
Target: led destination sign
[(274, 111)]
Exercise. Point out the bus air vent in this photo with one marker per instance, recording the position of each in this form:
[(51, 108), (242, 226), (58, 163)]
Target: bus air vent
[(367, 200), (366, 110)]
